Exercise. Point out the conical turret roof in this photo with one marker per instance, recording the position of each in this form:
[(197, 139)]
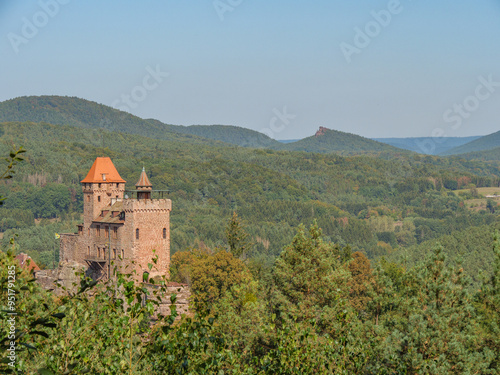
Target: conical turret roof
[(143, 181)]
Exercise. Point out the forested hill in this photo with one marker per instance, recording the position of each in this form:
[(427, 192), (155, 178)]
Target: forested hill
[(458, 246), (91, 115), (333, 141), (226, 133), (486, 155), (78, 112), (488, 142), (427, 145)]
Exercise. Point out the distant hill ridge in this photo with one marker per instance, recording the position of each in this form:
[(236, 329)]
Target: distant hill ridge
[(326, 141), (87, 114), (81, 113), (226, 133), (427, 145), (73, 111), (488, 142)]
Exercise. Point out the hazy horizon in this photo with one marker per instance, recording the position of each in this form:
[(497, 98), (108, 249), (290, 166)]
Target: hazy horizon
[(379, 69)]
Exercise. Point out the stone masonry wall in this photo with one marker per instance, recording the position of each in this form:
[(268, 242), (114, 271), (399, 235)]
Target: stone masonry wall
[(183, 294), (96, 196), (68, 247), (150, 217), (66, 276)]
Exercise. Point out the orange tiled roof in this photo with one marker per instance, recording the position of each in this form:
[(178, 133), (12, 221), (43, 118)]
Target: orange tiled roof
[(103, 167), (143, 180)]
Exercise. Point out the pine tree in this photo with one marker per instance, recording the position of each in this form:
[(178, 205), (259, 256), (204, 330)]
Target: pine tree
[(362, 282), (237, 237), (437, 331), (308, 274), (489, 306)]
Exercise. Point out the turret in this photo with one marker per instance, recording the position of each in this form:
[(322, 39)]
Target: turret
[(143, 186)]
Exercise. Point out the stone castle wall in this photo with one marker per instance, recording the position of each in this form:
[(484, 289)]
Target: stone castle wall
[(67, 276), (96, 196), (183, 294), (101, 241), (152, 220), (68, 247)]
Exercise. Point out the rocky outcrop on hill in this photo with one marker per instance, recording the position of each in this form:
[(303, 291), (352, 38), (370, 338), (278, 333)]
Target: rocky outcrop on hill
[(321, 131)]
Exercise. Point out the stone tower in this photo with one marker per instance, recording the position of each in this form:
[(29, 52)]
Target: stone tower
[(118, 229), (100, 186)]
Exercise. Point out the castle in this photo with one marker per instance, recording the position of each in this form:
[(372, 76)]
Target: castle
[(119, 229)]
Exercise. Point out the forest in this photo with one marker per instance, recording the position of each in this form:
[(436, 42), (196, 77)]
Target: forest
[(299, 262), (381, 206), (322, 310)]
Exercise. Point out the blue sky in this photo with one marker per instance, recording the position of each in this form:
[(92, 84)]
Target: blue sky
[(420, 68)]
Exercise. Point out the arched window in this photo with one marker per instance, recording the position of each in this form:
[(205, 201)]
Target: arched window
[(164, 232), (137, 234)]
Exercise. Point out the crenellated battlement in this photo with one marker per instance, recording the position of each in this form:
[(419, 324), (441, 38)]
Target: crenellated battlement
[(130, 205)]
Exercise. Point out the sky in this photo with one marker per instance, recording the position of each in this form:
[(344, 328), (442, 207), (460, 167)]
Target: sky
[(398, 68)]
